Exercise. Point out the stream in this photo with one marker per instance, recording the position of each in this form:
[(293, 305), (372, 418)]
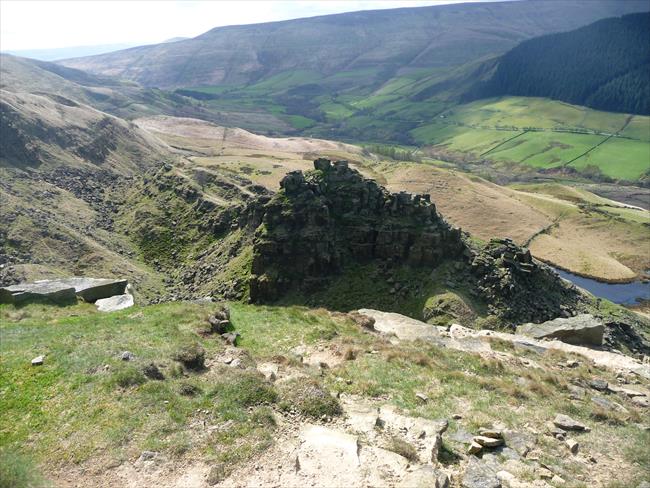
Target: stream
[(621, 293)]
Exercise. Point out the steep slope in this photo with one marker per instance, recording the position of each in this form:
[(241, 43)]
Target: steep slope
[(373, 44), (605, 65), (122, 99), (55, 130)]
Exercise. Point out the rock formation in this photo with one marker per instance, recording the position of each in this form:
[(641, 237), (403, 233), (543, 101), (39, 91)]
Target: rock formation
[(330, 217)]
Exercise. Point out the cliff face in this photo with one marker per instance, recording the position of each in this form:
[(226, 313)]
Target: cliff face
[(332, 216)]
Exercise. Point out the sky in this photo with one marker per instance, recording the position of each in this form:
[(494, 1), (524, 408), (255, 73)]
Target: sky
[(35, 24)]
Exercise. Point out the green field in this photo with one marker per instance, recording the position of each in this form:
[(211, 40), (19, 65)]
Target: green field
[(545, 149), (548, 134), (536, 132), (619, 158)]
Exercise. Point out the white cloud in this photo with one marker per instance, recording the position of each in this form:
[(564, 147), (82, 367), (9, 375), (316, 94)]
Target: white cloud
[(26, 24)]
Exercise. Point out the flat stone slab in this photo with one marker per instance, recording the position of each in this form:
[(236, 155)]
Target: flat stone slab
[(63, 290), (329, 455), (424, 477), (582, 329), (115, 303), (380, 467), (53, 291), (361, 417), (404, 328), (479, 474), (567, 423)]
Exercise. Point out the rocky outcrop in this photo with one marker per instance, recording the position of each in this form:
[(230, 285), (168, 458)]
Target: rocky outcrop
[(470, 340), (327, 219), (332, 216), (583, 329)]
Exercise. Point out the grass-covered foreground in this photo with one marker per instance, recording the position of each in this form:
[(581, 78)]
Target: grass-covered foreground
[(87, 407), (85, 402)]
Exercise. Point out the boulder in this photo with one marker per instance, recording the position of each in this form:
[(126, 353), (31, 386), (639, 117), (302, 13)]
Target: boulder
[(93, 289), (404, 328), (479, 474), (582, 329), (127, 356), (38, 361), (598, 384), (521, 442), (114, 303), (565, 422), (63, 290), (572, 445)]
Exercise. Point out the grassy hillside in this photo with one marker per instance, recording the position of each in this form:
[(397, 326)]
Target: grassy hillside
[(536, 132), (397, 77), (123, 99), (361, 48)]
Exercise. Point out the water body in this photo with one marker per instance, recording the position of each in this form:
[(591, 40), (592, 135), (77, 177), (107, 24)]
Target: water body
[(621, 293)]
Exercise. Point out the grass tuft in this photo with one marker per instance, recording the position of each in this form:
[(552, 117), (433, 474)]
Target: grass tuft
[(192, 356), (403, 448), (127, 376), (17, 471), (309, 398)]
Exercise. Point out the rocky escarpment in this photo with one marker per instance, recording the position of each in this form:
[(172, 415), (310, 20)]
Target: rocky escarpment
[(325, 219)]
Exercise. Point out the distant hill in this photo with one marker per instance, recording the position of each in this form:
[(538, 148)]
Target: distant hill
[(605, 65), (372, 46), (53, 54), (124, 99)]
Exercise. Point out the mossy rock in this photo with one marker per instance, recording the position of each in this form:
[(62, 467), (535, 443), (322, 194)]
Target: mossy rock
[(447, 307)]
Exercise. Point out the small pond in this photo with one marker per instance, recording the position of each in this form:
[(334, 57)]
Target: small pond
[(621, 293)]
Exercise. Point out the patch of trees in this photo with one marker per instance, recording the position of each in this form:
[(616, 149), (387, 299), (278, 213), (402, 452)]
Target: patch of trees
[(197, 95), (396, 153), (605, 65)]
